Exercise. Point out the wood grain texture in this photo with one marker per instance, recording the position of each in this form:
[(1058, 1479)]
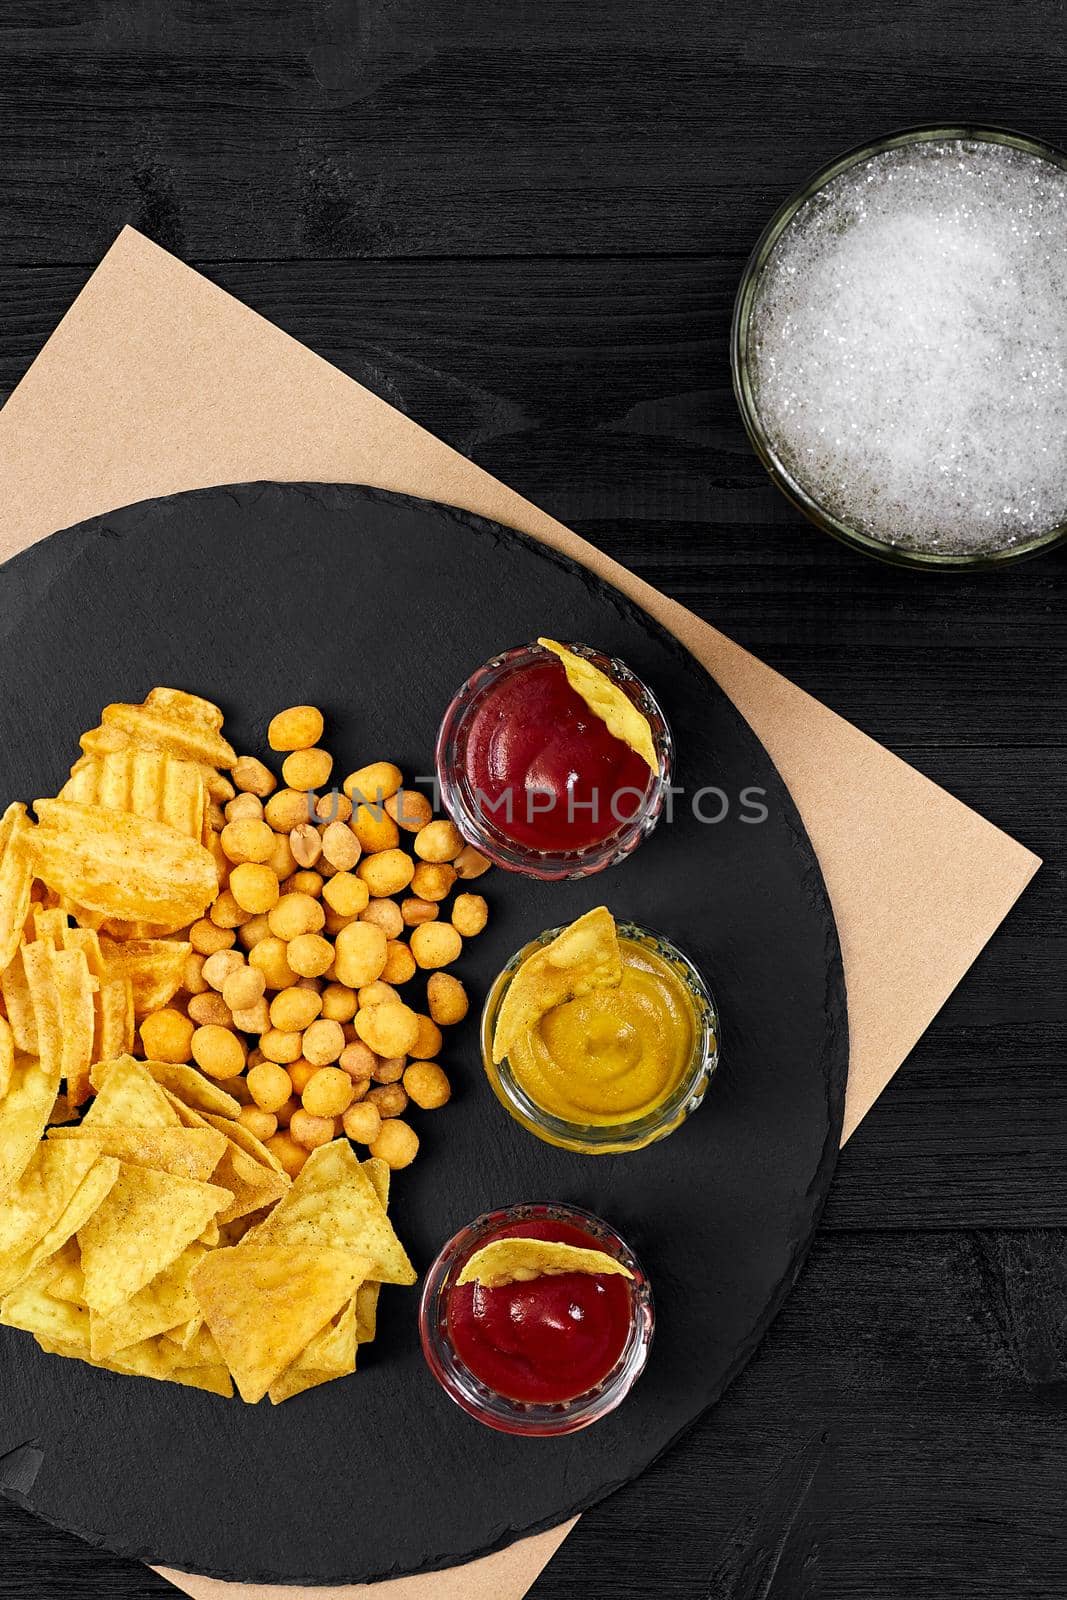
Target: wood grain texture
[(524, 224)]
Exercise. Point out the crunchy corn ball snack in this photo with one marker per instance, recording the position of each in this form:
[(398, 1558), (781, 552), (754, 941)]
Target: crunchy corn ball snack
[(330, 902), (297, 728)]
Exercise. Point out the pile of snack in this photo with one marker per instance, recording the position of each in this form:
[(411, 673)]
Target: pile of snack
[(249, 942)]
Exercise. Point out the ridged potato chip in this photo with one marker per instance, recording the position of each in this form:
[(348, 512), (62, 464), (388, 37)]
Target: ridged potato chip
[(169, 720), (153, 966), (148, 783), (16, 880), (24, 1112), (121, 865)]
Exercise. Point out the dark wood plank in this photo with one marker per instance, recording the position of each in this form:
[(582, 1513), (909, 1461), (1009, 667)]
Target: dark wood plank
[(426, 127), (602, 391)]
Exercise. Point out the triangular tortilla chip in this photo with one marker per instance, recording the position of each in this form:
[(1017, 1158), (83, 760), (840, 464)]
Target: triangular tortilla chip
[(35, 1203), (584, 956), (333, 1203), (251, 1184), (245, 1140), (129, 1097), (189, 1085), (145, 1223), (165, 1303), (330, 1355), (187, 1152), (367, 1293), (515, 1260), (608, 702), (60, 1244), (33, 1309), (24, 1114), (264, 1305), (61, 1274)]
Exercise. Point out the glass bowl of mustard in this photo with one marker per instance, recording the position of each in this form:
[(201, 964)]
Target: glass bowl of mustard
[(617, 1068)]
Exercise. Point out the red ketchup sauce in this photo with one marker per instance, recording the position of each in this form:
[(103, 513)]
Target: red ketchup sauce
[(548, 1340), (534, 737)]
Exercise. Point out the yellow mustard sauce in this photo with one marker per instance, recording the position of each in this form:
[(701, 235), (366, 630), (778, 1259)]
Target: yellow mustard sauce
[(613, 1055)]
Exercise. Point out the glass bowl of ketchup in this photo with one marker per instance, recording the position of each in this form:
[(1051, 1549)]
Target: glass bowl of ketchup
[(543, 1357), (534, 779)]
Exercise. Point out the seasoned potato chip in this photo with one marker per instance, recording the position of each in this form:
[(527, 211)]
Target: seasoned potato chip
[(61, 990), (265, 1303), (24, 1112), (35, 1203), (331, 1354), (170, 720), (18, 1004), (607, 701), (148, 783), (7, 1057), (153, 966), (16, 880), (121, 865), (187, 1152), (113, 1021), (584, 956), (129, 1097), (515, 1260), (145, 1223), (333, 1202)]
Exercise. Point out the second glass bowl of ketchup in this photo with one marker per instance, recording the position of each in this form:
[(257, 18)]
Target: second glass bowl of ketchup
[(535, 780)]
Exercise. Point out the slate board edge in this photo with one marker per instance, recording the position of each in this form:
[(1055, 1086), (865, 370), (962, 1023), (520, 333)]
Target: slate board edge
[(120, 522)]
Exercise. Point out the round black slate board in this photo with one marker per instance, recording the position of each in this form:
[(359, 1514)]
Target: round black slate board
[(376, 607)]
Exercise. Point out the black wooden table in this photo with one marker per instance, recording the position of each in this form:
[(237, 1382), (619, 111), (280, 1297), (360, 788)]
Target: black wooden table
[(524, 224)]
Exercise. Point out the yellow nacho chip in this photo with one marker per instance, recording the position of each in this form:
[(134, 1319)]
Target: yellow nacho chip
[(121, 865), (61, 1236), (24, 1112), (190, 1086), (252, 1184), (367, 1293), (16, 880), (165, 1303), (608, 702), (515, 1260), (584, 956), (330, 1355), (129, 1097), (186, 1152), (333, 1202), (35, 1203), (143, 1226), (61, 1273), (265, 1304), (33, 1309)]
